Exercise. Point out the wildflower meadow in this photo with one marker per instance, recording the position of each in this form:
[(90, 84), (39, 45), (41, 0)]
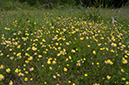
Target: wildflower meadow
[(64, 47)]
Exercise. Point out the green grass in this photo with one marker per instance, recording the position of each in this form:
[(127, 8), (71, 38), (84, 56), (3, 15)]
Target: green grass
[(64, 47)]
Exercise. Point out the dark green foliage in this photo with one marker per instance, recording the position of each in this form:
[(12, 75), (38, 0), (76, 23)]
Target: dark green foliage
[(22, 1), (11, 4), (105, 3), (119, 3), (96, 3), (32, 2)]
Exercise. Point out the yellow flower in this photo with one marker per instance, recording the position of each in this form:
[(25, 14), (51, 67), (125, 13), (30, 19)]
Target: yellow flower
[(18, 46), (24, 38), (16, 70), (73, 84), (112, 50), (25, 79), (96, 84), (102, 38), (108, 77), (18, 54), (50, 68), (5, 28), (65, 69), (1, 54), (94, 52), (97, 63), (26, 61), (48, 62), (20, 74), (67, 43), (101, 48), (1, 77), (52, 27), (1, 66), (122, 70), (53, 62), (123, 79), (58, 75), (70, 57), (126, 56), (114, 44), (88, 45), (78, 64), (87, 37), (81, 38), (86, 75), (26, 72), (58, 54), (54, 76), (8, 70), (11, 82), (69, 81), (73, 51), (107, 49), (127, 82), (39, 56), (109, 62), (30, 58), (31, 69), (124, 61), (31, 79), (34, 48), (42, 65), (43, 40), (45, 82)]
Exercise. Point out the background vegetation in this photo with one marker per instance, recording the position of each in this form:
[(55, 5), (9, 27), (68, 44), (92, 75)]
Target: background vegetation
[(26, 4)]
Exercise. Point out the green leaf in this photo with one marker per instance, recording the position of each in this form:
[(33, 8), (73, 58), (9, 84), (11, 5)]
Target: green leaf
[(127, 43)]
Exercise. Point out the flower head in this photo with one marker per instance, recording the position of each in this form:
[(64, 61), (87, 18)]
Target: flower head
[(1, 77), (8, 70)]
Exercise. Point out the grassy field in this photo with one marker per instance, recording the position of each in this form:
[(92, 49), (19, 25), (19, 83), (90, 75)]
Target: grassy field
[(64, 47)]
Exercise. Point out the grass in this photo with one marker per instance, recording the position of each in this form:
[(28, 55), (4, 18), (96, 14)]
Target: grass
[(64, 47)]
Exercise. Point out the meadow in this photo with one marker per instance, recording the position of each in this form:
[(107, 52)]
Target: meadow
[(64, 47)]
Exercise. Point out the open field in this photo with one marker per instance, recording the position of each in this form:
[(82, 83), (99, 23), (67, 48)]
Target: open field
[(64, 47)]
